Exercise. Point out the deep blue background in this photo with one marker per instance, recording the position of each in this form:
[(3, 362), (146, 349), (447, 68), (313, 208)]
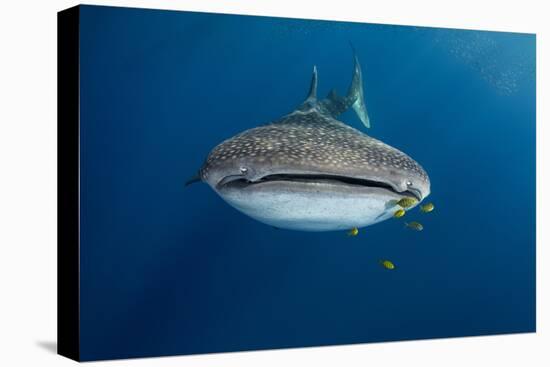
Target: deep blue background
[(172, 270)]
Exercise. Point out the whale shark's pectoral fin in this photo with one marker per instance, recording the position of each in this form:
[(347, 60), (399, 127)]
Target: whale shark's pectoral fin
[(334, 104), (193, 179)]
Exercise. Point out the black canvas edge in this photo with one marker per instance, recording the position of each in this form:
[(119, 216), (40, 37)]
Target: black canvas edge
[(68, 172)]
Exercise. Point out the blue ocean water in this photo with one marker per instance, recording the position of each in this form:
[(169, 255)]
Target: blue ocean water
[(167, 269)]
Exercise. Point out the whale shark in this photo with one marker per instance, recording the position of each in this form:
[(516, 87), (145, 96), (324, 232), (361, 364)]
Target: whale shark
[(309, 171)]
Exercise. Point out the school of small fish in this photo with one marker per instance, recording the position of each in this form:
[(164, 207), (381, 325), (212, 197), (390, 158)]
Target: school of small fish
[(404, 204)]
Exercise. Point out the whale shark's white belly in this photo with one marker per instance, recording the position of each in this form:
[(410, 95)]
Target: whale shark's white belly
[(314, 207)]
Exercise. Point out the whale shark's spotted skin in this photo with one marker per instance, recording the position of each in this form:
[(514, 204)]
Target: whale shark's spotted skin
[(308, 171), (311, 139)]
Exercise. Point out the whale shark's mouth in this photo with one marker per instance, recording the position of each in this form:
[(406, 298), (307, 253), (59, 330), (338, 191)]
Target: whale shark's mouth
[(241, 182)]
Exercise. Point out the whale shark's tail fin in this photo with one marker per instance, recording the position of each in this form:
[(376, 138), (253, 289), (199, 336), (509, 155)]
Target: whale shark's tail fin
[(333, 105), (355, 93)]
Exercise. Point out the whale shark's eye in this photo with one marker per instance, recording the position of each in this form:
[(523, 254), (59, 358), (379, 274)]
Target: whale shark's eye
[(244, 170), (409, 183)]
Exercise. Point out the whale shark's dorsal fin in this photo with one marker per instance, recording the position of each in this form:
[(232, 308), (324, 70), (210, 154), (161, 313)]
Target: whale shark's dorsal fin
[(332, 94), (312, 95), (333, 105), (311, 99)]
